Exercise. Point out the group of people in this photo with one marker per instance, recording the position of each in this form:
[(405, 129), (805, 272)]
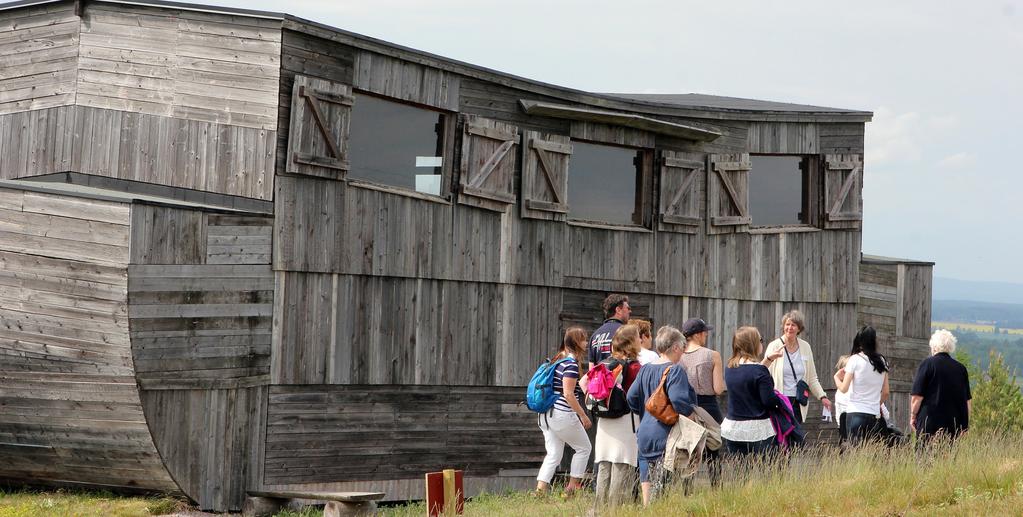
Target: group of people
[(762, 381)]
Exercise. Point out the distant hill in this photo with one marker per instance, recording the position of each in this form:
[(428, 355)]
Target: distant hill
[(1003, 315), (995, 292)]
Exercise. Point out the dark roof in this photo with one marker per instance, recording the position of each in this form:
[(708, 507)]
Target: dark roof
[(700, 100), (891, 261)]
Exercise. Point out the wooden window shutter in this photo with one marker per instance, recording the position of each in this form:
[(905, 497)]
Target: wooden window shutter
[(728, 193), (545, 175), (682, 180), (487, 171), (843, 181), (318, 135)]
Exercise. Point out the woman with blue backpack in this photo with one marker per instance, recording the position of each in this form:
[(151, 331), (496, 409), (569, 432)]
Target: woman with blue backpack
[(564, 420)]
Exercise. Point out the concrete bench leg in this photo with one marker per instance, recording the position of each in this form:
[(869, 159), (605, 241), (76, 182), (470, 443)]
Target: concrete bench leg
[(340, 509), (261, 506)]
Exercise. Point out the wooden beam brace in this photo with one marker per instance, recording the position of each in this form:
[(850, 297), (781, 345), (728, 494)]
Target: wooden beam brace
[(681, 219), (489, 132), (547, 169), (846, 188), (314, 108), (491, 164), (682, 190), (486, 194), (731, 192), (546, 207)]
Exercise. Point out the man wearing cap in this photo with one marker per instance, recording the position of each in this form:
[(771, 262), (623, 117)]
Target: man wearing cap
[(707, 376), (617, 312)]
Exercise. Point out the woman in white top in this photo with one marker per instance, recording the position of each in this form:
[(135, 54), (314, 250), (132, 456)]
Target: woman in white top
[(646, 342), (796, 363), (866, 383)]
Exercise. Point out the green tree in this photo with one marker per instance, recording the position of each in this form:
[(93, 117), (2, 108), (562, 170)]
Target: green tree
[(997, 399)]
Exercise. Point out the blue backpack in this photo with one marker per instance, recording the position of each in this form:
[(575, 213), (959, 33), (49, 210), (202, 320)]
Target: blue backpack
[(540, 395)]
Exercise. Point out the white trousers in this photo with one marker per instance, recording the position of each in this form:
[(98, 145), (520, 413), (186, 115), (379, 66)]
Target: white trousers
[(559, 428)]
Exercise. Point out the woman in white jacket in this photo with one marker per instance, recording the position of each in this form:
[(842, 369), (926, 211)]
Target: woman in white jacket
[(795, 364)]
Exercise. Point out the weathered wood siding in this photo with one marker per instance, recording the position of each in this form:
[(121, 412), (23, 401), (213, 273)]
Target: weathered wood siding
[(895, 299), (199, 155), (354, 432), (180, 63), (39, 52), (200, 300), (380, 292), (71, 406)]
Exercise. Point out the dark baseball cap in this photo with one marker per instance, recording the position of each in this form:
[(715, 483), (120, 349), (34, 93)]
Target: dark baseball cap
[(695, 326)]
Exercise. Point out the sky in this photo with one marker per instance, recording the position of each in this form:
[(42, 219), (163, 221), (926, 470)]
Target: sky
[(943, 79)]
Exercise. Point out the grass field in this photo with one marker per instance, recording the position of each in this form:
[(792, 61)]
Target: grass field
[(974, 327), (31, 503), (980, 475)]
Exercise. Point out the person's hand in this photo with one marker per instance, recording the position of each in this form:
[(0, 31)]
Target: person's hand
[(826, 403), (912, 423), (773, 356), (692, 416), (586, 422)]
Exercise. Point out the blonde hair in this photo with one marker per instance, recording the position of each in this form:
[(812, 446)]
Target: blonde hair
[(625, 343), (842, 361), (644, 327), (746, 345)]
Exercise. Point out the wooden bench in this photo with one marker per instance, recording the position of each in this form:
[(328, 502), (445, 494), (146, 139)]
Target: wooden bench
[(265, 504)]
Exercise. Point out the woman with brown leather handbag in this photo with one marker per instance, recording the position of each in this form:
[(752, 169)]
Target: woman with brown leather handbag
[(660, 394)]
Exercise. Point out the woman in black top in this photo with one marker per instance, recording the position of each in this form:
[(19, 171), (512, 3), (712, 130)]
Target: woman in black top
[(941, 391)]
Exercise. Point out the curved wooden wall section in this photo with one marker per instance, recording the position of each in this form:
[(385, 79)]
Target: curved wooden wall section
[(70, 411), (200, 294)]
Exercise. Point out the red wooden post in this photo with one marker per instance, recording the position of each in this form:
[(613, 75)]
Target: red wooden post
[(444, 492)]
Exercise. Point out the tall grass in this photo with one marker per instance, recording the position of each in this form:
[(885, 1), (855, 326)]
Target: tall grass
[(981, 474), (83, 503)]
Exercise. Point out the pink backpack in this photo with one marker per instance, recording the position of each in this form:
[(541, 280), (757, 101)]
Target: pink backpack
[(602, 381)]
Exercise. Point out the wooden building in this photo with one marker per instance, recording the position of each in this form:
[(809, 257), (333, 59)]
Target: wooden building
[(245, 251)]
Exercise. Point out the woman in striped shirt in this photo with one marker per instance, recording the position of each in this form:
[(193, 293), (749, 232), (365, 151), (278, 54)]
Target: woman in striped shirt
[(566, 422)]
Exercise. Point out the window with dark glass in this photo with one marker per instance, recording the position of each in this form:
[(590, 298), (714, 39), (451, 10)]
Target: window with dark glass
[(778, 193), (396, 144), (605, 184)]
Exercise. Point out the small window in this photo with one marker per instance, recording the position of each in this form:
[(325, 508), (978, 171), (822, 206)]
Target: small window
[(778, 190), (396, 144), (605, 184)]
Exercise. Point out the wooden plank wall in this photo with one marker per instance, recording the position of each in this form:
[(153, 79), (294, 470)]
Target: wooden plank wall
[(39, 50), (199, 155), (200, 300), (895, 299), (381, 296), (180, 63), (359, 432), (71, 407)]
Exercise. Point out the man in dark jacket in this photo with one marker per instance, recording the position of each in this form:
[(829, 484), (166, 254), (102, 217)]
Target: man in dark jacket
[(616, 312)]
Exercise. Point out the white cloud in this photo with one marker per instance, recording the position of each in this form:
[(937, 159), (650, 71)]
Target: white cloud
[(956, 161), (893, 137)]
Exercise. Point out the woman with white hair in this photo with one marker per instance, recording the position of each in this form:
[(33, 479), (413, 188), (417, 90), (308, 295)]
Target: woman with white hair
[(652, 434), (941, 391)]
